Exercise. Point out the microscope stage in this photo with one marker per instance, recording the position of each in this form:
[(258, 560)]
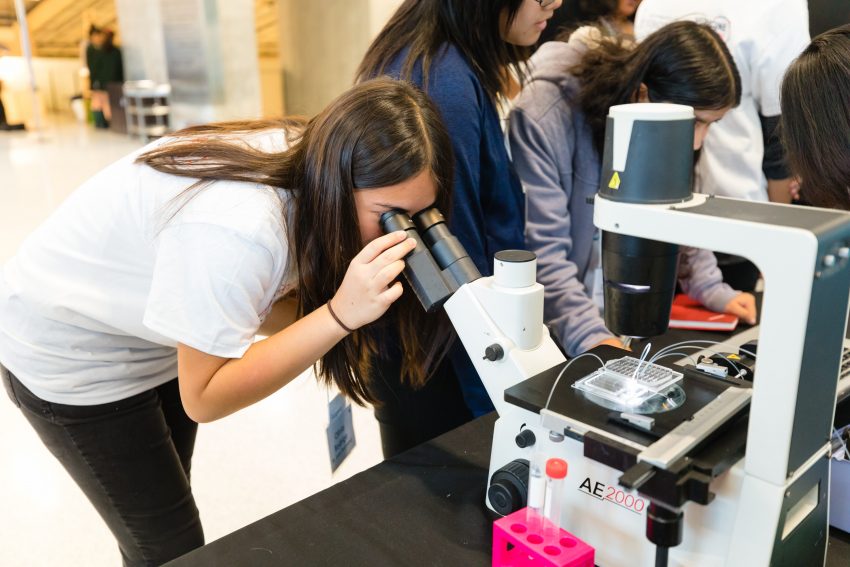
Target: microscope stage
[(699, 390)]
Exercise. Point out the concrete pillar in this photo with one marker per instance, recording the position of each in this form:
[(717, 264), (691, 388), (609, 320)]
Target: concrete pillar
[(142, 44), (206, 50)]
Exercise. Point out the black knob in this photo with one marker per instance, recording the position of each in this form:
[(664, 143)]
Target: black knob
[(525, 438), (494, 352), (508, 490), (664, 526)]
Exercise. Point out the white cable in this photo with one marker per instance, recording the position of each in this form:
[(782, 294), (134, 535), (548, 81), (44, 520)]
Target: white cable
[(675, 354), (752, 354), (643, 356), (689, 342), (721, 355), (564, 369), (704, 342), (692, 343)]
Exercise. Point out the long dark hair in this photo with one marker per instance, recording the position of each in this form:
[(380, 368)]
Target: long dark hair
[(682, 63), (379, 133), (816, 119), (426, 26)]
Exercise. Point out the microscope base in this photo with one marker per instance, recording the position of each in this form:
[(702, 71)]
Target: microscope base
[(773, 525)]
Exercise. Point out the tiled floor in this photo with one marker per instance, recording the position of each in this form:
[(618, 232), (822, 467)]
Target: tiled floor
[(246, 466)]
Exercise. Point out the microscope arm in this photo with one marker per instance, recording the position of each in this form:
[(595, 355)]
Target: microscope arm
[(768, 235), (502, 330)]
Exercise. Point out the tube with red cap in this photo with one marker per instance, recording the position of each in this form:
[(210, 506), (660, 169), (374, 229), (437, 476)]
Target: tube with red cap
[(556, 472)]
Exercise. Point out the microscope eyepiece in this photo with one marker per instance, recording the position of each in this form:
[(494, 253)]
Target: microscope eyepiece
[(421, 271), (396, 219), (447, 250), (427, 218)]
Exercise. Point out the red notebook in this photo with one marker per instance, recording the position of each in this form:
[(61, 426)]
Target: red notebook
[(688, 313)]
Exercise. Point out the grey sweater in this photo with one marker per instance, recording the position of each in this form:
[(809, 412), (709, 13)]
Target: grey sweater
[(559, 167)]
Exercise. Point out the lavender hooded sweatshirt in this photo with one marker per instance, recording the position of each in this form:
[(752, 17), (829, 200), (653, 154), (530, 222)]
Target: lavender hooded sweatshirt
[(553, 153)]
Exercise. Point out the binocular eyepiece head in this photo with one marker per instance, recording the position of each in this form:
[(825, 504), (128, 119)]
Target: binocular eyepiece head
[(439, 264), (423, 221)]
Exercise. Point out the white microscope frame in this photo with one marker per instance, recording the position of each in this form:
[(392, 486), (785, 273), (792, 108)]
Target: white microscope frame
[(483, 315)]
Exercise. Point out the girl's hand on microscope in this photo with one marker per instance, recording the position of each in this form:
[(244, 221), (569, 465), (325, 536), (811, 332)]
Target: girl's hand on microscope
[(369, 286), (743, 306)]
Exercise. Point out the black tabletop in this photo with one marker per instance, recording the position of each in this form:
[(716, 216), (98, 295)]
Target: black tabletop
[(424, 507)]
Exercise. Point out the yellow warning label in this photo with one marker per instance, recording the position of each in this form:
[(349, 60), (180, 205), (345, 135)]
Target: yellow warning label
[(615, 181)]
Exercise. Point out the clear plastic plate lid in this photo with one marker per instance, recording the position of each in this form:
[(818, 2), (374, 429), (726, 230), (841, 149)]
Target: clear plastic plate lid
[(628, 381)]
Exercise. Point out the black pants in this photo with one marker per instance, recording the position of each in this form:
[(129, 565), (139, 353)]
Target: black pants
[(409, 417), (131, 459)]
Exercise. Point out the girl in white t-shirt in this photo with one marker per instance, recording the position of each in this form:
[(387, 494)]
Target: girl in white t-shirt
[(816, 119), (167, 263)]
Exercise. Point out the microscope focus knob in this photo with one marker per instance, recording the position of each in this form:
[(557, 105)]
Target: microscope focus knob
[(525, 438), (508, 490), (494, 352)]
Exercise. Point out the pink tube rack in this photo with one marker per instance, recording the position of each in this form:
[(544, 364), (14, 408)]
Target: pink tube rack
[(516, 545)]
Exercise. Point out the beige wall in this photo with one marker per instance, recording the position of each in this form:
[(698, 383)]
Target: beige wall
[(321, 46), (271, 86)]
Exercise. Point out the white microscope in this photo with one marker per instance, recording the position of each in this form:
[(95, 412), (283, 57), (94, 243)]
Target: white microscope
[(702, 471)]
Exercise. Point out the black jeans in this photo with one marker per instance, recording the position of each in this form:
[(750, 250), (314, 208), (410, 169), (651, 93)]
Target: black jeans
[(409, 417), (131, 458)]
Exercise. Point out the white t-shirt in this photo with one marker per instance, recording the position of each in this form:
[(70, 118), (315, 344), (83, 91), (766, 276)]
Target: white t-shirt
[(764, 37), (95, 301)]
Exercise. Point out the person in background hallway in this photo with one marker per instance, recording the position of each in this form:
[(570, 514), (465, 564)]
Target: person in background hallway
[(816, 119), (105, 66), (132, 312), (557, 130), (4, 125), (743, 158), (464, 54)]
